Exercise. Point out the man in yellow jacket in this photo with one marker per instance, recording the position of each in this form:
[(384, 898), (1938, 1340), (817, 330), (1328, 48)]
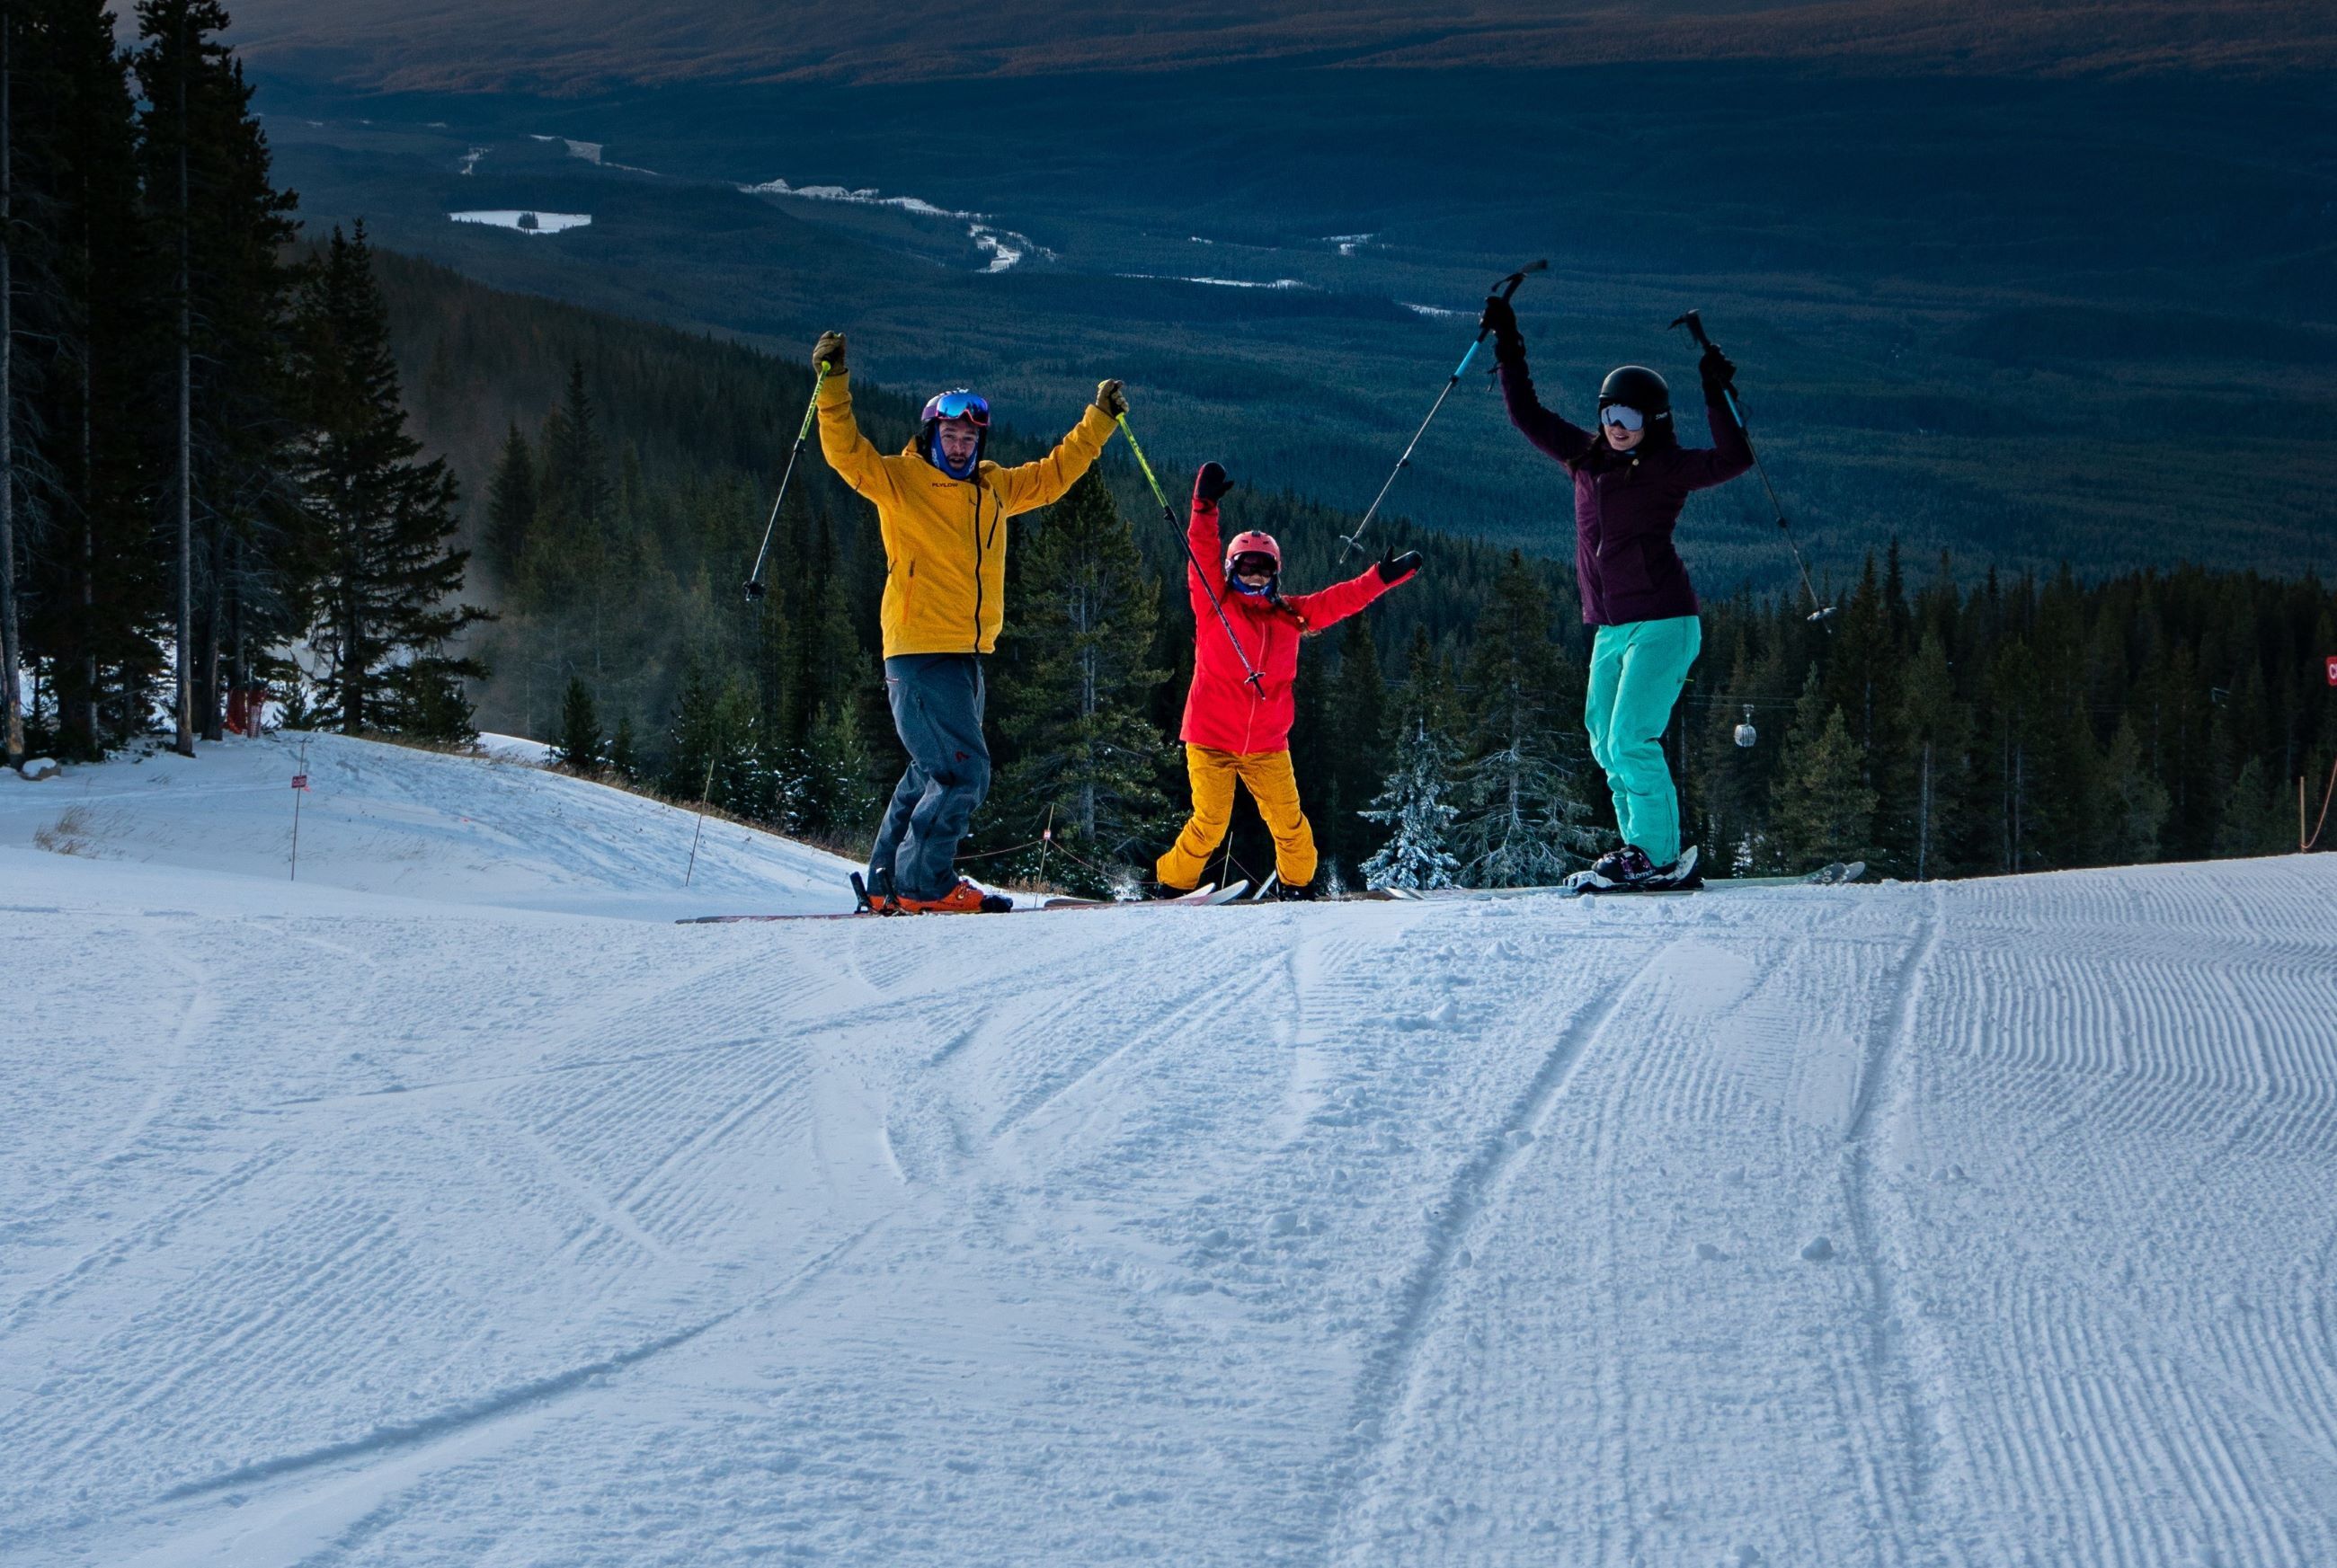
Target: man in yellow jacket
[(943, 509)]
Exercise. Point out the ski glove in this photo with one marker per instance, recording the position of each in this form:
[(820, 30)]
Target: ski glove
[(1499, 320), (830, 348), (1211, 482), (1112, 398), (1393, 568), (1719, 374)]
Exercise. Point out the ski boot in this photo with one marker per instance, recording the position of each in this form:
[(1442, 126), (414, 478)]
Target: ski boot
[(965, 898), (1297, 892)]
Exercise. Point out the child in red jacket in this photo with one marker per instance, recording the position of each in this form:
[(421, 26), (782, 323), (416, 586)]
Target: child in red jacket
[(1237, 729)]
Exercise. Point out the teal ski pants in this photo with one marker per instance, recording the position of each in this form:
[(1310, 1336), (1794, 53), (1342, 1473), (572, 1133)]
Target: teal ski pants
[(1636, 670)]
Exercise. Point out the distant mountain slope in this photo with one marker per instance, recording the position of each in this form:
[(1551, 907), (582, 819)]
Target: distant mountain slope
[(538, 46)]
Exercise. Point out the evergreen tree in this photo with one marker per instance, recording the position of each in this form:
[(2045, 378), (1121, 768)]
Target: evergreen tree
[(1085, 752), (1823, 812), (840, 792), (1524, 821), (1415, 807), (2259, 817), (2138, 801), (383, 520), (207, 176), (624, 758), (84, 372), (1934, 722), (578, 748), (510, 507)]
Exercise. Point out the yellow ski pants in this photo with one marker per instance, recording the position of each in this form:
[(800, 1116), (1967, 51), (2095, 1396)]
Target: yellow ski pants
[(1272, 784)]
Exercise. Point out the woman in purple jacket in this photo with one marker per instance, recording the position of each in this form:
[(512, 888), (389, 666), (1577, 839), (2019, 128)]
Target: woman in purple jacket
[(1630, 480)]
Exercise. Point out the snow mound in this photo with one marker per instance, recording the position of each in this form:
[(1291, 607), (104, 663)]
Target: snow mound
[(487, 830)]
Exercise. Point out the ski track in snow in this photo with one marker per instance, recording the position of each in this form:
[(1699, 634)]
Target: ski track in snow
[(424, 1212)]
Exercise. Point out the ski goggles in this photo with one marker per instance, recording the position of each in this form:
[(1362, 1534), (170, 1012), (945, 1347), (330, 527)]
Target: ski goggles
[(1616, 414), (958, 405), (1256, 566)]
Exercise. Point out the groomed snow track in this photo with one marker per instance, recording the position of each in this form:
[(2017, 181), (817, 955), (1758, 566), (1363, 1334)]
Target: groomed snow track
[(385, 1223)]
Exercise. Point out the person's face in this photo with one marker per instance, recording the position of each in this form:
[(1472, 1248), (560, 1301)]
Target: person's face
[(959, 439), (1253, 571), (1621, 438)]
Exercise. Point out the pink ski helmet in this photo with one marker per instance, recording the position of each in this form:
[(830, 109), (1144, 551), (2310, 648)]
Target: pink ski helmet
[(1253, 543)]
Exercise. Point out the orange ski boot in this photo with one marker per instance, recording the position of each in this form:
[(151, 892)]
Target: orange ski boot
[(964, 898)]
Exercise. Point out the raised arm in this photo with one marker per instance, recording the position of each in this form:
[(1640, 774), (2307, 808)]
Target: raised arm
[(1042, 483), (1561, 440), (1204, 572), (1329, 606), (853, 456), (1729, 454)]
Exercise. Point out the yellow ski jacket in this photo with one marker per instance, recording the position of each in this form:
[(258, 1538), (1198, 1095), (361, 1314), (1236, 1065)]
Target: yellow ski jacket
[(945, 539)]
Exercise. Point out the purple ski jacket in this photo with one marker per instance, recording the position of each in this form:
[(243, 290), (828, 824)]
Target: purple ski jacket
[(1626, 503)]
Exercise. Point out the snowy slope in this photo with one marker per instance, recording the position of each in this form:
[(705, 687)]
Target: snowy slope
[(396, 1224), (458, 830)]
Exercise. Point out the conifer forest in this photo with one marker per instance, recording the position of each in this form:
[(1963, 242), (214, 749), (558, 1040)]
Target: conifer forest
[(252, 469)]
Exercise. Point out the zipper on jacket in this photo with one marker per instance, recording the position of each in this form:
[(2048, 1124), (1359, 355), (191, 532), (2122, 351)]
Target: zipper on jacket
[(976, 647)]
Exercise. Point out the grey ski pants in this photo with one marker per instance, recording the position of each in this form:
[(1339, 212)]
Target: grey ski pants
[(937, 701)]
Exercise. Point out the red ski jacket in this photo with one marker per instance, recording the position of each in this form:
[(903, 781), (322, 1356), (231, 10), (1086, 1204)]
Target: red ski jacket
[(1221, 711)]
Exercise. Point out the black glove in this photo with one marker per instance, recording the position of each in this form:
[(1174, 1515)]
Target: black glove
[(1112, 398), (1393, 568), (830, 350), (1211, 482), (1719, 374), (1499, 320)]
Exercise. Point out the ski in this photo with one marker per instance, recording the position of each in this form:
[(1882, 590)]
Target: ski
[(1202, 897), (1683, 877)]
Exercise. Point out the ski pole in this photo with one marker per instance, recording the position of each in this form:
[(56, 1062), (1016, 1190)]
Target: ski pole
[(1508, 288), (1251, 678), (755, 589), (1819, 613)]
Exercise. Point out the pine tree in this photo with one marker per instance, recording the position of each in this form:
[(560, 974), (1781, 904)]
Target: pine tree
[(624, 759), (2259, 817), (510, 507), (578, 748), (2138, 801), (388, 576), (1078, 639), (206, 167), (1823, 812), (86, 371), (1524, 822), (1933, 721), (1415, 807), (840, 789)]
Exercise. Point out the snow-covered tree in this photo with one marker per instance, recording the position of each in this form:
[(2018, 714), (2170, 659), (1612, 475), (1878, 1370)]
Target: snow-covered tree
[(1415, 807)]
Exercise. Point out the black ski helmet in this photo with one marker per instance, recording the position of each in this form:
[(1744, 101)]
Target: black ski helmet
[(1637, 386)]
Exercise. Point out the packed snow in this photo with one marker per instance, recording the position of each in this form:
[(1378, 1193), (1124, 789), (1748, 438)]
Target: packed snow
[(453, 1207), (526, 222)]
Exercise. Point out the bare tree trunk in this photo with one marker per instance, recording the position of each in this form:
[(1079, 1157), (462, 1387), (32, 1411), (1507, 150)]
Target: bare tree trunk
[(10, 704), (186, 485), (1923, 819), (214, 593)]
